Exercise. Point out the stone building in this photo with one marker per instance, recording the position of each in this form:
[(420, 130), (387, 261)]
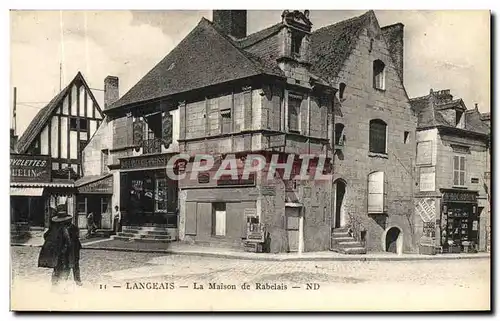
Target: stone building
[(453, 164), (238, 96), (374, 133)]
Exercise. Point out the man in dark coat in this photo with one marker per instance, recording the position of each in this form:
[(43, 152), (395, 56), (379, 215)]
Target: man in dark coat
[(61, 249)]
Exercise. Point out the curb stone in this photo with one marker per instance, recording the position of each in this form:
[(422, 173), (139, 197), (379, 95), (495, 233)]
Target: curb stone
[(280, 259)]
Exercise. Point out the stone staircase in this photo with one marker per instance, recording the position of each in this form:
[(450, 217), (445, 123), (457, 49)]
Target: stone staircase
[(343, 242), (144, 234)]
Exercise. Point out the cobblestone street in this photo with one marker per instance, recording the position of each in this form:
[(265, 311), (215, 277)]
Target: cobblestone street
[(432, 283)]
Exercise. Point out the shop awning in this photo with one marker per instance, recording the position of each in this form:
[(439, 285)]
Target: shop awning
[(26, 191)]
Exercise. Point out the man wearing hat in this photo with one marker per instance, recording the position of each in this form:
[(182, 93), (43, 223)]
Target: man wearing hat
[(61, 248)]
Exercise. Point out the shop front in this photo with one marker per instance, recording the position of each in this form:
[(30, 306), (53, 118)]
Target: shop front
[(34, 194), (148, 197), (94, 196), (459, 221)]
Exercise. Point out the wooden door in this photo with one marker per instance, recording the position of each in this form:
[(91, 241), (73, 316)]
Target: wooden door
[(292, 215), (203, 221)]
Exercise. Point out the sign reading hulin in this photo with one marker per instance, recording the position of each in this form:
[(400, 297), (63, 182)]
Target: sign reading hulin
[(30, 168), (102, 186), (426, 208)]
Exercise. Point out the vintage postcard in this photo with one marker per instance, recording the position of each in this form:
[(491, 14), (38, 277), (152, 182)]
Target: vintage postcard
[(242, 160)]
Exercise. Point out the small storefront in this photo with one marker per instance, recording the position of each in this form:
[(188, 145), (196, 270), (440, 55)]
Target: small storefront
[(33, 193), (94, 196), (148, 197), (459, 221)]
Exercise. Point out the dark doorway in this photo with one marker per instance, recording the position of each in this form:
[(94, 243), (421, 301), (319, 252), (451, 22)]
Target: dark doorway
[(339, 201), (391, 240)]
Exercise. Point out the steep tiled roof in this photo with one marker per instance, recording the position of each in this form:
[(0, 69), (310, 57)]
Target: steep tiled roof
[(332, 45), (474, 123), (259, 35), (39, 121), (43, 115), (429, 114), (203, 58)]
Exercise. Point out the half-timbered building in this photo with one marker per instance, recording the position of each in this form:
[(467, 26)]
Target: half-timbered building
[(48, 155)]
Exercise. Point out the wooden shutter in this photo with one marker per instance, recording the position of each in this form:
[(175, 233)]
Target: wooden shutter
[(376, 192), (247, 100), (276, 109), (293, 113), (124, 192), (138, 130), (190, 218), (166, 126)]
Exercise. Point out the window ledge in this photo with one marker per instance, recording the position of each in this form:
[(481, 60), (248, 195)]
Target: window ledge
[(459, 186), (380, 155)]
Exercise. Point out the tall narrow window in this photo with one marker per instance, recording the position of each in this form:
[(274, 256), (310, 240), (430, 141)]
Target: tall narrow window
[(339, 134), (296, 44), (226, 121), (219, 219), (379, 75), (293, 113), (458, 170), (378, 136), (341, 90)]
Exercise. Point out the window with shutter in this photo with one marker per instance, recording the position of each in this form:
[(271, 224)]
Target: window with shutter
[(167, 129), (459, 170), (376, 192), (378, 136), (294, 103)]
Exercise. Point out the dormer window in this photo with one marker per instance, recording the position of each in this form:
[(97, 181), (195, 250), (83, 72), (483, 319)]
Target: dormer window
[(458, 118), (296, 44)]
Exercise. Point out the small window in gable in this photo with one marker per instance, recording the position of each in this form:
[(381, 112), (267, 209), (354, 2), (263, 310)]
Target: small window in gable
[(379, 75), (341, 90)]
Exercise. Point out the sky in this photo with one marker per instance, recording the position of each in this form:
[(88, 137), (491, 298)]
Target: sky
[(443, 49)]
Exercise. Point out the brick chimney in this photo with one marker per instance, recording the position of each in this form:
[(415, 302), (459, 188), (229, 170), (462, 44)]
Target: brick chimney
[(232, 22), (394, 36), (111, 93)]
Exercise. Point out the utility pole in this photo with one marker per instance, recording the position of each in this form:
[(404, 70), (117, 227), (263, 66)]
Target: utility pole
[(14, 102), (60, 77)]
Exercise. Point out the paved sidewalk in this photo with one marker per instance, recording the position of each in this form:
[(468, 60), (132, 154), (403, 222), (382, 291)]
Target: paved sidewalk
[(188, 249), (196, 250)]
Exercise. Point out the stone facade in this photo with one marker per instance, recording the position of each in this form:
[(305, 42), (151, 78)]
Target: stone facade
[(360, 103)]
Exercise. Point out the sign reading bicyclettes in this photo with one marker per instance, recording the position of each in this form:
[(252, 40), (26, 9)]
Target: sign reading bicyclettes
[(30, 168)]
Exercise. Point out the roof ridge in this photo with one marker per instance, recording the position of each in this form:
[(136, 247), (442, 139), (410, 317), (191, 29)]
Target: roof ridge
[(344, 21)]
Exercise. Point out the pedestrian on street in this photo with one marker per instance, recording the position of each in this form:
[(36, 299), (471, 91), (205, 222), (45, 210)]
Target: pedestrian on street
[(117, 219), (61, 249), (90, 225)]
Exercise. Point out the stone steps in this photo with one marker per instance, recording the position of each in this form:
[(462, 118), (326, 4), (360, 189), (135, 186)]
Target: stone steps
[(343, 242), (146, 234)]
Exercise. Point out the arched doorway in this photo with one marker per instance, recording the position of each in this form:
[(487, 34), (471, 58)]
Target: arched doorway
[(394, 240), (339, 211)]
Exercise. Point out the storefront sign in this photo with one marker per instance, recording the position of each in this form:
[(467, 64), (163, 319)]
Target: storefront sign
[(460, 197), (103, 186), (426, 208), (144, 162), (237, 182), (427, 181), (30, 168), (255, 231)]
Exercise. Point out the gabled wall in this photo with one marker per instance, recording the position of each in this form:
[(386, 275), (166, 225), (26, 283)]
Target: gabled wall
[(361, 103)]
